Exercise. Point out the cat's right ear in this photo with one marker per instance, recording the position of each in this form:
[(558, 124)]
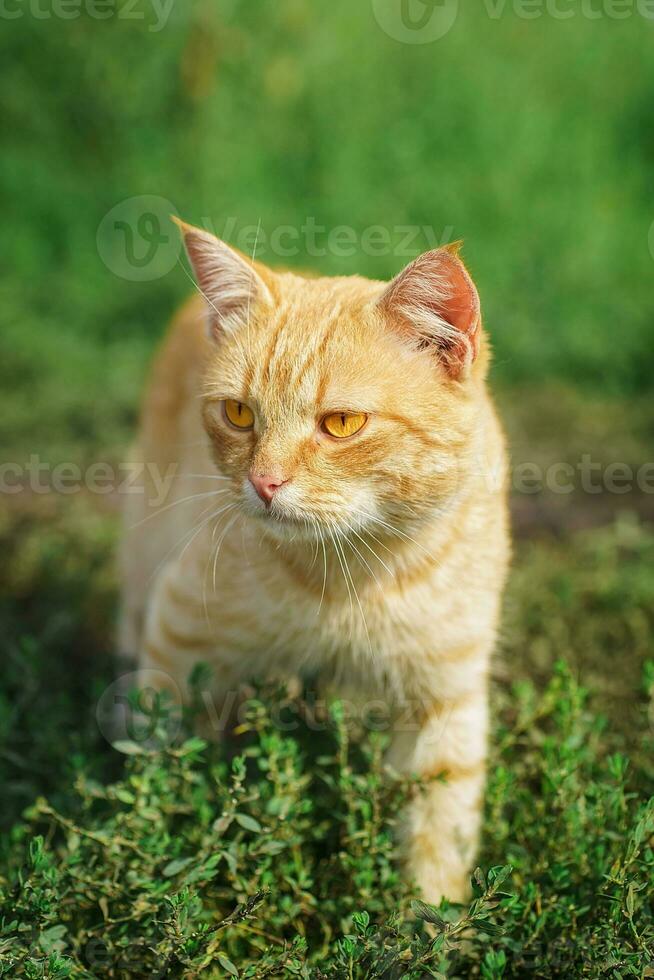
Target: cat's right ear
[(230, 284)]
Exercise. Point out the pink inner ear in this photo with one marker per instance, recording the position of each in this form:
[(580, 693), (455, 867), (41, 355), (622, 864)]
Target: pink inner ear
[(438, 283), (461, 307)]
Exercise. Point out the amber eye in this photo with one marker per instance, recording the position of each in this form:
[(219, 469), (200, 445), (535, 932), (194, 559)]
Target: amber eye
[(343, 424), (238, 414)]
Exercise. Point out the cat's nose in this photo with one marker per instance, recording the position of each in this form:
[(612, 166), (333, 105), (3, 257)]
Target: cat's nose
[(266, 484)]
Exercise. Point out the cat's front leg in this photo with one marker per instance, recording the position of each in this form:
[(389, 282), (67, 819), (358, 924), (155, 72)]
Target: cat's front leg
[(447, 748), (182, 629)]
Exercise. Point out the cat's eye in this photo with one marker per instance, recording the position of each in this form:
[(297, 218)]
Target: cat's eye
[(238, 414), (343, 424)]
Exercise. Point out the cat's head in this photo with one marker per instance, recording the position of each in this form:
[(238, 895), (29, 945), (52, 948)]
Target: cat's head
[(340, 403)]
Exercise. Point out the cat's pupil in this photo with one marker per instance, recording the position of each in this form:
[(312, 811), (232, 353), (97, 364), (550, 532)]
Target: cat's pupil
[(343, 421)]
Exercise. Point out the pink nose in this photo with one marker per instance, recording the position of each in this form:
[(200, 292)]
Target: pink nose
[(265, 484)]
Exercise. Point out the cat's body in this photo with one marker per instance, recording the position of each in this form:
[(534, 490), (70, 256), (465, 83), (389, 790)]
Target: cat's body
[(376, 560)]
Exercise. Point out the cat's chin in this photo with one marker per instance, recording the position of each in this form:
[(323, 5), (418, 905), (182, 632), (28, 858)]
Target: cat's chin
[(288, 527), (284, 526)]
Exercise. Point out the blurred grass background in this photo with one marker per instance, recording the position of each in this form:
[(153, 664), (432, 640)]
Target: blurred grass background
[(530, 139)]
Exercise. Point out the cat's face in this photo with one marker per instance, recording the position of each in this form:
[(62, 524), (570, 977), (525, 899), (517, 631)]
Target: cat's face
[(322, 411)]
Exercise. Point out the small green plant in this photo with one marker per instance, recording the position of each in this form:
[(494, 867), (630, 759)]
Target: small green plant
[(274, 853), (282, 861)]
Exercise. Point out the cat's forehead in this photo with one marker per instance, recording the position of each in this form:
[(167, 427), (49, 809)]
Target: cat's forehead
[(313, 354), (321, 348)]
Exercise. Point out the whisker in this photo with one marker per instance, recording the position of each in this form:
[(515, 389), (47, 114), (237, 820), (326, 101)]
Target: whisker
[(200, 476), (197, 286), (356, 594), (193, 532), (203, 524), (363, 560), (324, 576), (381, 543), (206, 567), (184, 500), (218, 547), (340, 561), (311, 524), (254, 252), (403, 534), (372, 551)]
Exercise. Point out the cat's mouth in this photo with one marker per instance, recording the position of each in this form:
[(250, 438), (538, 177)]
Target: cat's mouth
[(285, 523), (276, 511), (281, 517), (287, 516)]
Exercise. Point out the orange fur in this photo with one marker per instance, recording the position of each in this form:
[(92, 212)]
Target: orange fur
[(397, 535)]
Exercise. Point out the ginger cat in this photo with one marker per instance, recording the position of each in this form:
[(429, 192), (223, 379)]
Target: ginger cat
[(339, 505)]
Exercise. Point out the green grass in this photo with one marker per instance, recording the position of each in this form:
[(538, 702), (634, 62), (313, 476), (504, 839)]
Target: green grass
[(528, 138), (276, 853), (285, 859)]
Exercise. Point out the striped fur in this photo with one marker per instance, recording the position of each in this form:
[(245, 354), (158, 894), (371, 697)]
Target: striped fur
[(384, 565)]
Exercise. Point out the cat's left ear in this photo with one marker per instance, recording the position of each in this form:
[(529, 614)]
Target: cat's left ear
[(231, 285), (434, 302)]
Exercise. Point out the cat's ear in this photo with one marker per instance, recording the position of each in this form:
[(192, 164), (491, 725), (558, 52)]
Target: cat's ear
[(230, 284), (434, 302)]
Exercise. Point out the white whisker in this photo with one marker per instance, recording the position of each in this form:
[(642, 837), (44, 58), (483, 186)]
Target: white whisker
[(225, 510), (193, 532), (363, 560), (356, 594), (218, 547), (197, 286), (184, 500), (372, 552), (324, 575), (200, 476), (340, 561), (402, 534)]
